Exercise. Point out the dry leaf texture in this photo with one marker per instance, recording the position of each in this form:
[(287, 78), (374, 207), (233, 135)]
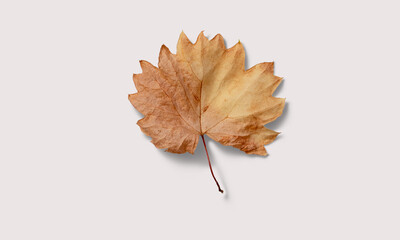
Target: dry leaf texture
[(205, 89)]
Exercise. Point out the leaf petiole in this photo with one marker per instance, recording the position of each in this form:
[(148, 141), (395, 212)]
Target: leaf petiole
[(209, 164)]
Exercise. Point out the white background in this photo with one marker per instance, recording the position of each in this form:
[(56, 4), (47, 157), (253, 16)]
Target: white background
[(74, 164)]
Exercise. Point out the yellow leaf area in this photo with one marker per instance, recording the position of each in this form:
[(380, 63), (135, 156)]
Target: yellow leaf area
[(204, 89)]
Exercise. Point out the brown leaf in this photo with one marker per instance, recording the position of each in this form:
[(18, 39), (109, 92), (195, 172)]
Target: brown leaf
[(205, 89)]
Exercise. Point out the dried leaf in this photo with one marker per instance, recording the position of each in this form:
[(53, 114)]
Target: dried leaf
[(205, 89)]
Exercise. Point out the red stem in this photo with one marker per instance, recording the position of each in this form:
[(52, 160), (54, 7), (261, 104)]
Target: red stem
[(209, 164)]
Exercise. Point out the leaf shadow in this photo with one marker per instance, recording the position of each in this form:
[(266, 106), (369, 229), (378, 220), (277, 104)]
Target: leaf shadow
[(199, 157), (276, 125), (246, 59), (279, 89)]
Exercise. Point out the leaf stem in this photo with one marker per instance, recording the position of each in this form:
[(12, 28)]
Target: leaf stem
[(209, 164)]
